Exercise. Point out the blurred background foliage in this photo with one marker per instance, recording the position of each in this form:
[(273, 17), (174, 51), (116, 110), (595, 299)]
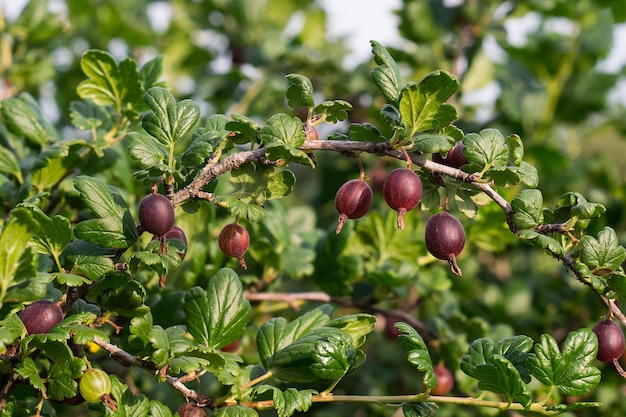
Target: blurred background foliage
[(544, 70)]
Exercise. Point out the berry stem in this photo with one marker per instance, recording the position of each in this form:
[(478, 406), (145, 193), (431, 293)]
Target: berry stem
[(454, 266)]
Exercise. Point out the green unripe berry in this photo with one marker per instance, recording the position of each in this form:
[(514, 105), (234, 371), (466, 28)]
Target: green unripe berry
[(94, 384)]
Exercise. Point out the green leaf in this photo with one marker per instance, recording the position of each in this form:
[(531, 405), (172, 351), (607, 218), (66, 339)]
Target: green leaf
[(169, 121), (146, 150), (61, 382), (86, 115), (494, 371), (333, 357), (424, 409), (54, 233), (29, 289), (423, 106), (117, 291), (333, 111), (28, 370), (89, 259), (158, 409), (563, 408), (204, 140), (151, 71), (276, 333), (418, 354), (140, 328), (587, 210), (391, 115), (282, 137), (500, 376), (542, 241), (160, 346), (365, 133), (604, 254), (528, 174), (291, 400), (108, 84), (128, 404), (114, 226), (386, 74), (236, 411), (304, 360), (23, 117), (82, 334), (515, 349), (9, 164), (486, 149), (56, 162), (569, 370), (527, 209), (15, 235), (71, 280), (299, 92), (432, 142), (356, 325), (244, 128), (11, 328), (217, 317), (516, 149)]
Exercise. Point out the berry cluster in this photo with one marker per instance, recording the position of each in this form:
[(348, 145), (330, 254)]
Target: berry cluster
[(402, 191)]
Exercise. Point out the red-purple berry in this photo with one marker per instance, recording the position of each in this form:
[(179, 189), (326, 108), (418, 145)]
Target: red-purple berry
[(455, 157), (445, 381), (156, 214), (41, 316), (234, 241), (445, 238), (353, 200), (610, 340), (402, 191)]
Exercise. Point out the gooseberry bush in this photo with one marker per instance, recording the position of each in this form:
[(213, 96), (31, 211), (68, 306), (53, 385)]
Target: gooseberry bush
[(87, 307)]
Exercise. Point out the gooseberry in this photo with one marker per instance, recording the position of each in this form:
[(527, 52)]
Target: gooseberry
[(353, 200), (610, 340), (41, 316), (94, 384), (234, 241), (445, 238), (156, 214), (402, 191)]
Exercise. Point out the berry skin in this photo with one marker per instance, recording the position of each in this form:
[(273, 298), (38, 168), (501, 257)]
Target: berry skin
[(402, 191), (455, 157), (445, 238), (191, 410), (94, 384), (445, 381), (353, 200), (610, 340), (234, 241), (156, 214), (41, 316)]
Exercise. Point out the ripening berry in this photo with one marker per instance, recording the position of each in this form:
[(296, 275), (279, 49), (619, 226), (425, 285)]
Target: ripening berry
[(445, 238), (156, 214), (402, 191), (610, 340), (353, 200), (41, 316), (234, 241), (455, 157)]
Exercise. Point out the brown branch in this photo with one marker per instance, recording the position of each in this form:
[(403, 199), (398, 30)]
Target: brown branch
[(126, 359)]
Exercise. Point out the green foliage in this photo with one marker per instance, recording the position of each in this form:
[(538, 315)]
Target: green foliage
[(221, 131)]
